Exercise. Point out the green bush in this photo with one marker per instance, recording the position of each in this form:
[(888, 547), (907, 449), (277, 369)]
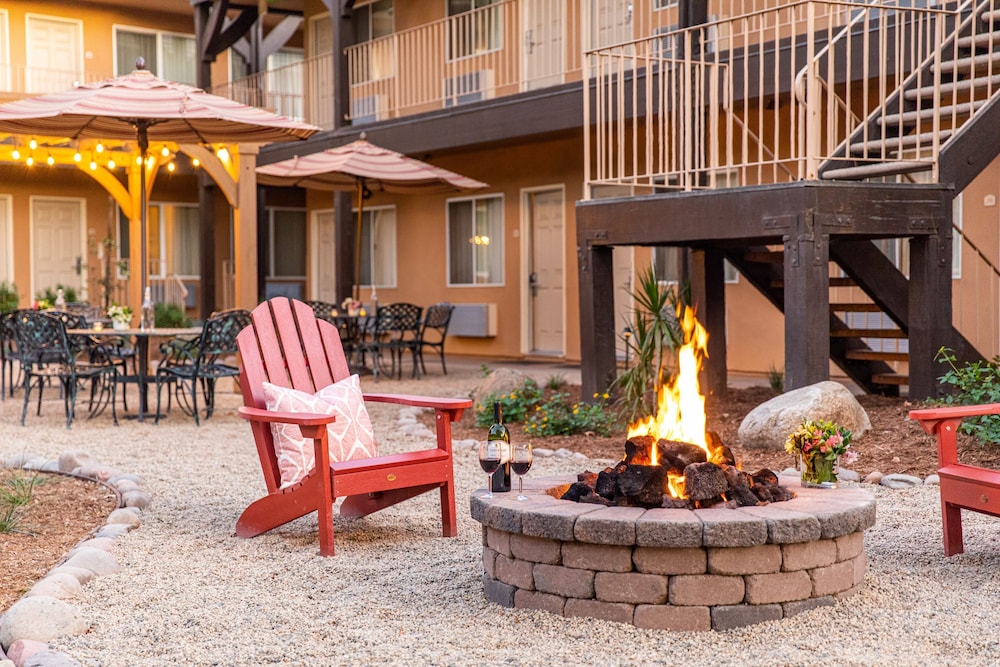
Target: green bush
[(973, 384), (557, 416), (170, 315), (9, 298), (49, 294), (516, 405)]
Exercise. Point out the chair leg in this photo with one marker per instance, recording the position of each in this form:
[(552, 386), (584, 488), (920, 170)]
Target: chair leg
[(27, 397), (951, 520), (194, 401)]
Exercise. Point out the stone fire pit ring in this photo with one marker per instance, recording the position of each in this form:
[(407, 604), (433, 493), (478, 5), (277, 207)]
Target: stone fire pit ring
[(673, 569)]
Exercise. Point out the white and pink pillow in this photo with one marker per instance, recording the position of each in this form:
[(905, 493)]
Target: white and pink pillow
[(350, 437)]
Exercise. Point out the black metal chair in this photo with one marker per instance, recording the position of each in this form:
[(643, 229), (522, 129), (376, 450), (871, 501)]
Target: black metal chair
[(190, 364), (10, 355), (403, 335), (48, 354), (433, 331), (322, 310)]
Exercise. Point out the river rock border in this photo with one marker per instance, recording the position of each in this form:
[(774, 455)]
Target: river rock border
[(673, 569), (45, 612)]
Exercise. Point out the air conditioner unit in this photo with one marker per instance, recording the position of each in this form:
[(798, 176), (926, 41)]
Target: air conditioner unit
[(469, 87), (474, 320)]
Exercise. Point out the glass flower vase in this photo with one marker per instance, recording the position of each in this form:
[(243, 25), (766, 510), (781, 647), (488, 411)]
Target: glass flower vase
[(820, 472)]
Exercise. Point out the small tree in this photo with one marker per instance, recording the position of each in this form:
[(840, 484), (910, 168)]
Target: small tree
[(654, 335)]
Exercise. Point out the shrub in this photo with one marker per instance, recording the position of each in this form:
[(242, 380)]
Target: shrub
[(973, 384), (170, 315), (557, 416), (49, 294), (9, 298), (516, 405)]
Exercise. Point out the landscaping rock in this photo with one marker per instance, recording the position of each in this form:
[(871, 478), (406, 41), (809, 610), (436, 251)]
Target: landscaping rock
[(23, 649), (768, 425), (874, 477), (97, 561), (498, 383), (40, 618), (59, 585), (846, 475), (932, 480), (70, 461), (123, 517), (897, 481), (49, 658)]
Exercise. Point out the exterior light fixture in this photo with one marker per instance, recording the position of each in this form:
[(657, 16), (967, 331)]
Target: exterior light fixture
[(480, 240), (223, 153)]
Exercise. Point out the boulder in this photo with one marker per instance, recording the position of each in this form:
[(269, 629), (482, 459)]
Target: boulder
[(40, 618), (769, 424), (497, 383)]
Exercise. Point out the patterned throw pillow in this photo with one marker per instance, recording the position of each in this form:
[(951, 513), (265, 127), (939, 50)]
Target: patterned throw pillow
[(350, 437)]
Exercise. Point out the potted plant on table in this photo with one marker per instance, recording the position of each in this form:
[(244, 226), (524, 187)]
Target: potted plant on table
[(121, 316), (352, 306), (819, 446)]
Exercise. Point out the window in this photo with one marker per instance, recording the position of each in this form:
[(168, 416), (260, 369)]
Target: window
[(282, 91), (4, 50), (285, 263), (173, 239), (372, 21), (378, 247), (475, 241), (169, 56), (474, 26), (668, 266)]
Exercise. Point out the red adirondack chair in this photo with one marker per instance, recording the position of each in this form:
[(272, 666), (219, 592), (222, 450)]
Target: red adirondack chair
[(287, 346), (962, 486)]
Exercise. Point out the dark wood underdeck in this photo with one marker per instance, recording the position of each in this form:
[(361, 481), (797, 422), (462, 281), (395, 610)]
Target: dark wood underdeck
[(805, 217)]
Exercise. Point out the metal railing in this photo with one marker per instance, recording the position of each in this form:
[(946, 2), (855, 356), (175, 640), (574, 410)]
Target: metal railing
[(674, 110), (17, 81)]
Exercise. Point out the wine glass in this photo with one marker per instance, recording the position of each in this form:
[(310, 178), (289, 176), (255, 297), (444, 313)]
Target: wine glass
[(520, 463), (490, 457)]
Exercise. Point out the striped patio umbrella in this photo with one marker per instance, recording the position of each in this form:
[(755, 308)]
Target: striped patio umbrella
[(142, 107), (364, 167)]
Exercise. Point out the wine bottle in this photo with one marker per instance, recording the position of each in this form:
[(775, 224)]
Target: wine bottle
[(147, 318), (500, 481)]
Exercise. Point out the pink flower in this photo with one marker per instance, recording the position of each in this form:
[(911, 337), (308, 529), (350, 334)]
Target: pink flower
[(849, 457)]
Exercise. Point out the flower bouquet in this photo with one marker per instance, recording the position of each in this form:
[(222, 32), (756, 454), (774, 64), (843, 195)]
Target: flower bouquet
[(121, 316), (352, 306), (820, 446)]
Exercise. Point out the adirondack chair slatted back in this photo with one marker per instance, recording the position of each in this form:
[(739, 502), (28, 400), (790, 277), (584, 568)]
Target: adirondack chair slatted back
[(287, 346)]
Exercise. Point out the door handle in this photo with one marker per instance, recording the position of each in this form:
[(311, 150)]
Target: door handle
[(533, 281), (78, 266)]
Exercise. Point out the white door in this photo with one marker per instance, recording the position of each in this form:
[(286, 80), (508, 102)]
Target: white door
[(623, 258), (320, 85), (324, 257), (545, 272), (542, 42), (55, 54), (57, 249)]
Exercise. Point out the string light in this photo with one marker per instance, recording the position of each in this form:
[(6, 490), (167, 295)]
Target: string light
[(195, 162), (164, 151), (100, 147), (16, 154), (223, 153), (50, 160), (77, 157), (29, 161), (32, 144), (138, 159), (111, 163)]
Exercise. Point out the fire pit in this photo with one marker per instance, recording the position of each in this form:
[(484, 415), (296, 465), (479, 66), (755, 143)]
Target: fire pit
[(673, 569), (675, 536)]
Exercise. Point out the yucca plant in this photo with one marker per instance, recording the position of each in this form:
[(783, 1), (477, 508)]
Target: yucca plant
[(654, 334)]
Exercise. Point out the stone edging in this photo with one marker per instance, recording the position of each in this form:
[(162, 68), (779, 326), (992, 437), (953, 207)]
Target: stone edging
[(673, 569), (44, 613)]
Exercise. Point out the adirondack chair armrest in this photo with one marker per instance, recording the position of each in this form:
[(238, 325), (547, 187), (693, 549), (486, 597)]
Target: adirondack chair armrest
[(298, 418), (943, 422), (453, 406)]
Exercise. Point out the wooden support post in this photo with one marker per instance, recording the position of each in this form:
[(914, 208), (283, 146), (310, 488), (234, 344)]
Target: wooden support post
[(807, 305), (597, 318), (930, 308), (708, 296)]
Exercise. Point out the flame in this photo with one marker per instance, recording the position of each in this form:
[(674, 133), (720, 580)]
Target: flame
[(680, 413)]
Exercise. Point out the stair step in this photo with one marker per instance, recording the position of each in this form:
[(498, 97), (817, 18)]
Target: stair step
[(875, 355), (855, 308), (893, 144), (908, 117), (890, 378), (980, 41), (969, 62), (834, 282), (868, 333), (990, 16), (979, 83), (875, 169)]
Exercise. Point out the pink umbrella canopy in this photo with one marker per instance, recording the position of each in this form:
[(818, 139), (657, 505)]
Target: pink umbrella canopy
[(125, 107), (363, 166), (144, 107)]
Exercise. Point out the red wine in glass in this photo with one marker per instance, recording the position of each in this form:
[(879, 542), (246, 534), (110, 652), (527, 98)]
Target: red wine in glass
[(520, 463), (489, 460)]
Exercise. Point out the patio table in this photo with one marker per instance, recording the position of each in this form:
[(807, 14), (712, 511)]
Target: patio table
[(141, 337)]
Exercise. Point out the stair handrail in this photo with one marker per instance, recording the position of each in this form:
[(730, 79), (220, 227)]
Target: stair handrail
[(986, 260)]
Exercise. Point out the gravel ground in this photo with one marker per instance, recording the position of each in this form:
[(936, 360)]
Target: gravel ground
[(192, 593)]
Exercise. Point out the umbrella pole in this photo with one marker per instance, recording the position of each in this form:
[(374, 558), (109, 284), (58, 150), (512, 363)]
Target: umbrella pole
[(143, 138), (357, 241)]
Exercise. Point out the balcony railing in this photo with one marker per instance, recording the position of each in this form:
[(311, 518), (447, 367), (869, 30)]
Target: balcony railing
[(759, 98), (302, 90), (18, 81), (493, 51)]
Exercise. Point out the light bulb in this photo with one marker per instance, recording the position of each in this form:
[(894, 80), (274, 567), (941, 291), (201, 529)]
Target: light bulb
[(171, 167), (77, 157), (222, 153), (30, 161), (111, 164), (50, 160), (32, 144), (138, 159), (93, 165), (100, 147), (195, 162), (164, 151), (16, 154)]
